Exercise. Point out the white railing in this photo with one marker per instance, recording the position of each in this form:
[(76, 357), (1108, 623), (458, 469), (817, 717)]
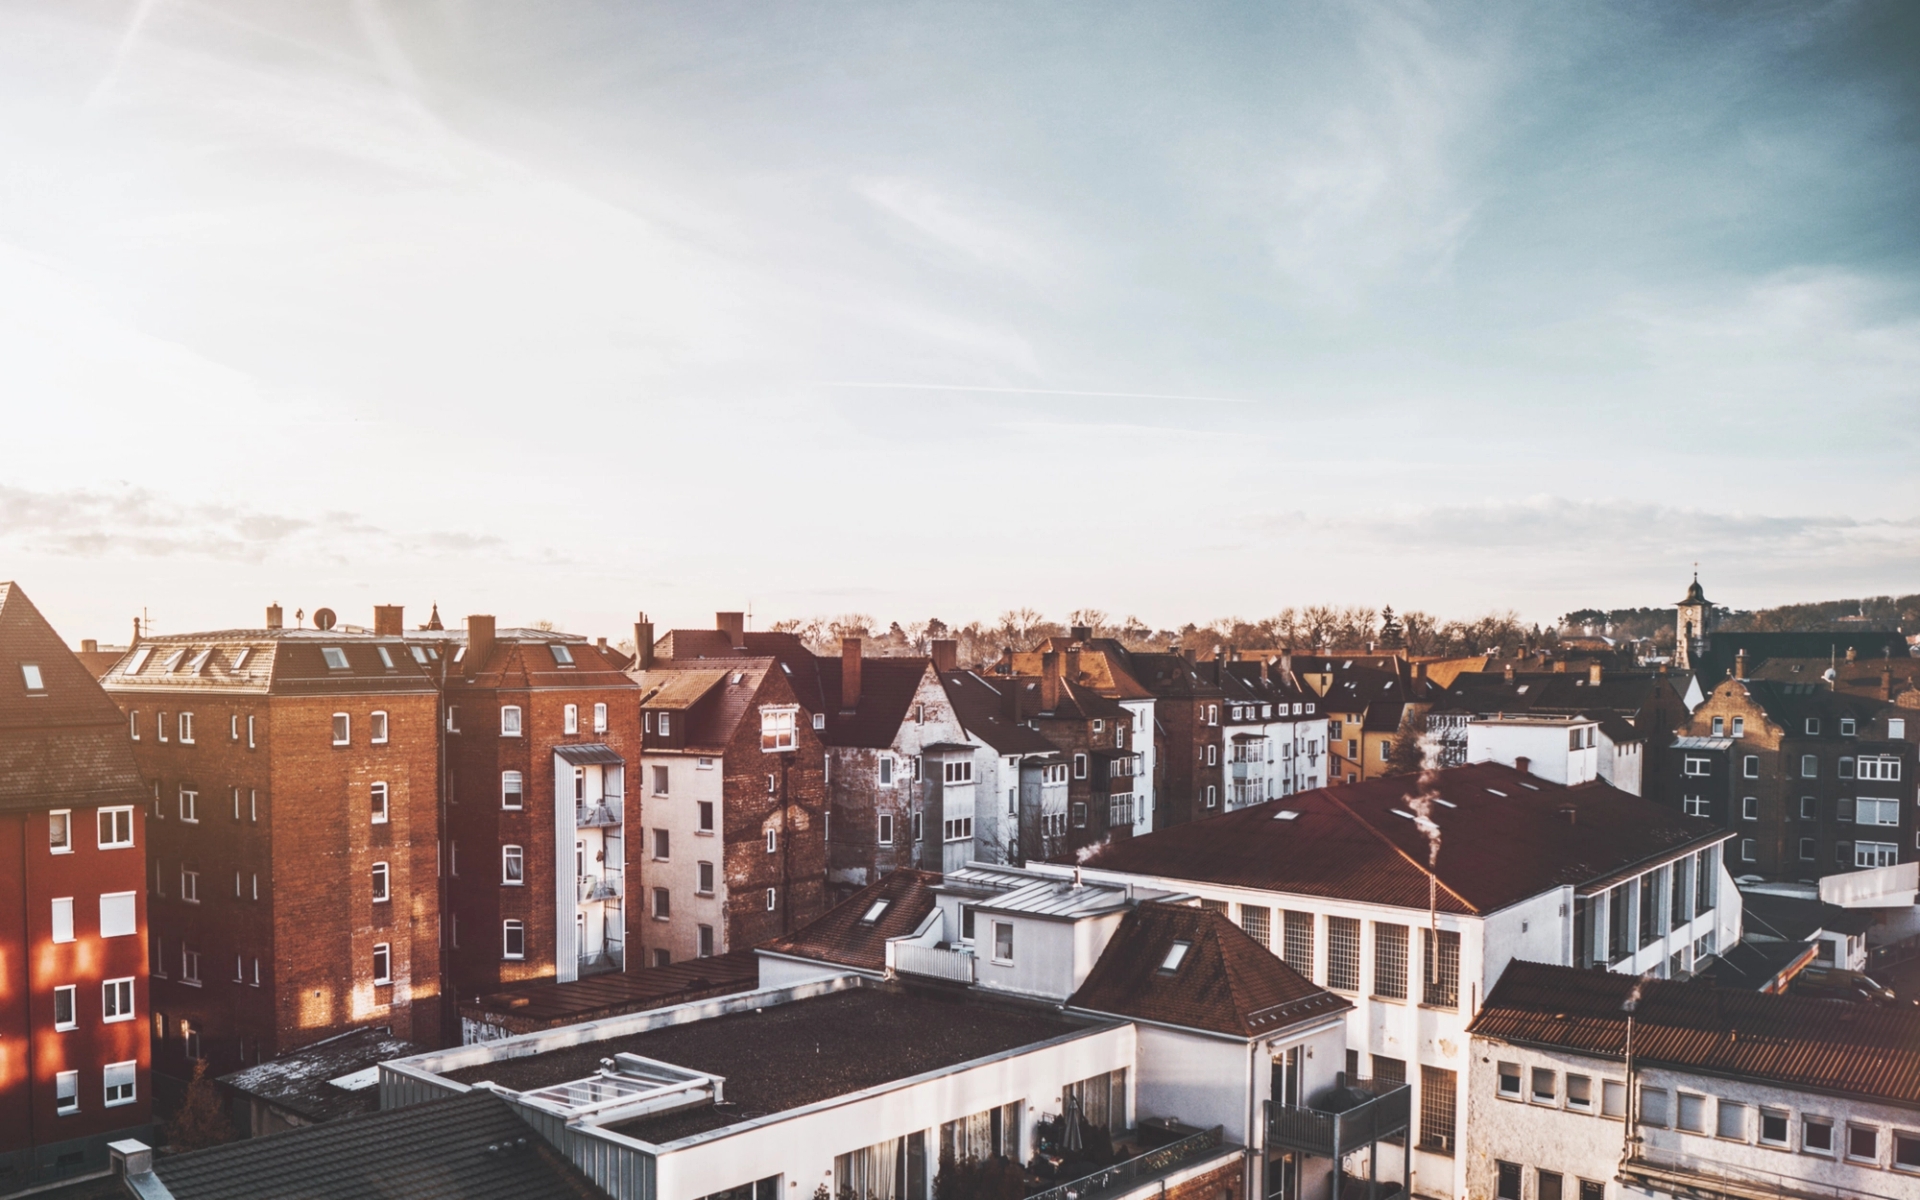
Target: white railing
[(955, 965), (600, 887)]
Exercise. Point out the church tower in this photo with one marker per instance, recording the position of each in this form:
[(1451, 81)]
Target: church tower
[(1695, 624)]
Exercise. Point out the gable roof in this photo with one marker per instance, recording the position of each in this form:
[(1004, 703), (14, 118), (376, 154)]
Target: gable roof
[(524, 659), (683, 646), (981, 706), (1505, 836), (466, 1147), (1871, 648), (715, 701), (1225, 982), (1832, 1046), (842, 935), (64, 743), (1570, 693), (887, 687), (1789, 705)]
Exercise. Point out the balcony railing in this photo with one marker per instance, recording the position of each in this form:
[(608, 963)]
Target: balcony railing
[(597, 814), (600, 887), (1122, 1177), (1332, 1133), (955, 965), (610, 957)]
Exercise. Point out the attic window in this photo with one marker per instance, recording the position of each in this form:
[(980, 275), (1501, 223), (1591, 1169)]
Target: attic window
[(199, 661), (1286, 814), (1448, 803), (1498, 792), (420, 655), (1530, 787), (739, 677), (173, 660), (335, 656), (873, 911), (31, 673), (562, 657), (140, 658), (1522, 689), (386, 659), (1176, 954), (240, 659), (1401, 812), (459, 654)]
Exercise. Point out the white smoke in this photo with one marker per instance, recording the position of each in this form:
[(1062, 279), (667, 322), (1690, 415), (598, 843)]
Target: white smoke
[(1421, 805)]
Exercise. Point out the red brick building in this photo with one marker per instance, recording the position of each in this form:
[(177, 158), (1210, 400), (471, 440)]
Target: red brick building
[(543, 736), (73, 978), (293, 783)]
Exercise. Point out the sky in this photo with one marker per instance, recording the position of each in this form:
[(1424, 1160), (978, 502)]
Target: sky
[(566, 311)]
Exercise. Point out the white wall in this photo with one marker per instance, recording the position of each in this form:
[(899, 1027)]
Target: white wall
[(1544, 745), (688, 783)]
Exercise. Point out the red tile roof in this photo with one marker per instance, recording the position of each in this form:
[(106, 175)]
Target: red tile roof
[(1833, 1046), (1350, 841), (842, 935), (1225, 983)]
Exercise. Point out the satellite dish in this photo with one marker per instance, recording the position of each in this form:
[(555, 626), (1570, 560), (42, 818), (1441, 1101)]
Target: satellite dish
[(323, 618)]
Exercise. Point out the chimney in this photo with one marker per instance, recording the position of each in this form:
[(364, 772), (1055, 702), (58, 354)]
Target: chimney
[(1073, 665), (479, 642), (734, 625), (946, 655), (136, 633), (1016, 690), (849, 674), (1049, 681), (388, 620), (1569, 814), (92, 646), (1286, 660), (1886, 682), (1081, 633), (1420, 671), (1740, 664), (276, 616), (1188, 654), (1559, 666), (1593, 675), (1853, 654), (1521, 762), (643, 644), (1509, 671)]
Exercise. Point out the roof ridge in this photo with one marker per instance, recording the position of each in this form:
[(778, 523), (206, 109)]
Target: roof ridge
[(1397, 849)]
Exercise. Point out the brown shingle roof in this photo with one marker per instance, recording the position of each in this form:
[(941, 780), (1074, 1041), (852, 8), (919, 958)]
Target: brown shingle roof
[(1351, 841), (1833, 1046), (1226, 982), (842, 936), (887, 686), (981, 705)]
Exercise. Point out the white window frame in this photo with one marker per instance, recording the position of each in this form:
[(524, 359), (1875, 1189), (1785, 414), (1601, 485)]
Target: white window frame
[(62, 820), (335, 657), (517, 794), (570, 718), (510, 725), (377, 727), (381, 882), (342, 729), (62, 909), (773, 899), (379, 799), (66, 1093), (773, 841), (779, 728), (112, 817), (382, 962), (132, 915), (508, 929), (1696, 767), (72, 991), (600, 717), (119, 1083), (189, 885), (185, 726), (703, 879), (116, 1000), (886, 829), (190, 806), (1079, 766), (994, 946), (886, 770), (513, 866)]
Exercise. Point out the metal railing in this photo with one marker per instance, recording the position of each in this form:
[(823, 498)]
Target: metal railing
[(1337, 1134), (600, 887), (598, 814), (1122, 1176), (955, 965)]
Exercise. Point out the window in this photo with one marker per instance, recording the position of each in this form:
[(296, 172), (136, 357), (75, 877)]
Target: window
[(1863, 1143), (63, 919), (386, 657), (773, 899), (1653, 1107), (1809, 808), (116, 999), (453, 718), (1747, 849), (1750, 808), (377, 728), (133, 724), (703, 941), (1213, 714), (662, 904), (1846, 768), (957, 829), (1507, 1180), (60, 831), (1885, 769), (1706, 880), (777, 732), (1876, 812), (1719, 726), (666, 724), (66, 1093), (600, 718), (189, 886), (1343, 953), (1212, 796), (886, 829), (1750, 766), (1692, 1113), (1079, 814), (249, 733), (1390, 961), (1547, 1185), (570, 719), (1176, 954), (190, 806), (513, 940), (1257, 920), (1730, 1120), (1386, 747), (1213, 755), (957, 772), (1441, 961), (1816, 1135), (703, 876), (1773, 1127), (116, 828), (1080, 765), (1579, 1093), (342, 729), (886, 770), (510, 790), (186, 729), (64, 1017), (1897, 728), (382, 962), (1694, 806), (1003, 941), (380, 892), (160, 727), (335, 656), (1809, 766), (1906, 1150), (705, 810), (1510, 1080), (117, 915), (509, 720), (1437, 1099), (513, 864), (1613, 1099), (1546, 1086), (1697, 766), (917, 832), (1875, 854), (773, 841), (1807, 850)]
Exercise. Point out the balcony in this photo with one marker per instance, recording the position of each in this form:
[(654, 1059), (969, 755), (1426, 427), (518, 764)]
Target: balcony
[(600, 887), (952, 964), (601, 814), (1141, 1174), (611, 957), (1348, 1118)]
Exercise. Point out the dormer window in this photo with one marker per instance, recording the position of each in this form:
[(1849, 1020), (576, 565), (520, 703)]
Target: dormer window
[(386, 659), (140, 658), (335, 656), (1176, 954), (199, 662), (420, 655), (174, 660), (1846, 726), (562, 656), (240, 659), (30, 672), (874, 912), (1813, 725)]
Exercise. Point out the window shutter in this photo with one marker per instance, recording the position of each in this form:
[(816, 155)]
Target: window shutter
[(1845, 815)]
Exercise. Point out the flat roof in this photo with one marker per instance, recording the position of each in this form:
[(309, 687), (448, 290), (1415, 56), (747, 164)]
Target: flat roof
[(787, 1056)]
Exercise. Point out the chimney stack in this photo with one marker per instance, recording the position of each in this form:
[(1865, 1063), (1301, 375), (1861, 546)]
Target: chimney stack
[(479, 642), (734, 625), (643, 644), (276, 617), (1886, 682), (1521, 763), (1016, 690), (389, 620), (1509, 671), (92, 646), (849, 674), (1073, 665), (1050, 681), (136, 633), (1286, 660), (946, 655), (1420, 671), (1853, 653), (1081, 633), (1740, 663), (1593, 675)]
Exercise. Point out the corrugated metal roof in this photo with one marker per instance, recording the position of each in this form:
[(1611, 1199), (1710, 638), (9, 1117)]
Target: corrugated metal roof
[(588, 754)]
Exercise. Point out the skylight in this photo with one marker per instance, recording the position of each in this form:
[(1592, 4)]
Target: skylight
[(240, 659), (31, 672), (199, 661), (1176, 954), (1498, 792), (1286, 814), (1448, 803), (1401, 812), (173, 660), (140, 658), (420, 655), (1530, 787), (874, 910), (335, 656), (561, 655), (386, 660)]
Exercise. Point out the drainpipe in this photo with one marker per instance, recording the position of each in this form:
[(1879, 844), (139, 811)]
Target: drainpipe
[(1254, 1139)]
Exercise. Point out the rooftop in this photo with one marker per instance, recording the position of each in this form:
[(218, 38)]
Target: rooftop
[(785, 1056), (854, 932), (1018, 891), (303, 1080), (544, 1003), (1831, 1046)]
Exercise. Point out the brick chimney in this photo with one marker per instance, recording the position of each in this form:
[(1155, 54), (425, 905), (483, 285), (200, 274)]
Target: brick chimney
[(734, 625), (389, 620), (1081, 633), (1521, 762), (1593, 675), (1073, 665), (849, 674), (479, 642), (1509, 671), (276, 617), (643, 644), (946, 655), (92, 646), (1050, 681), (1286, 660), (1016, 692), (1740, 663)]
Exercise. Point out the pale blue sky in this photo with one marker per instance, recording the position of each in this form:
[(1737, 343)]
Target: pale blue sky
[(565, 310)]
